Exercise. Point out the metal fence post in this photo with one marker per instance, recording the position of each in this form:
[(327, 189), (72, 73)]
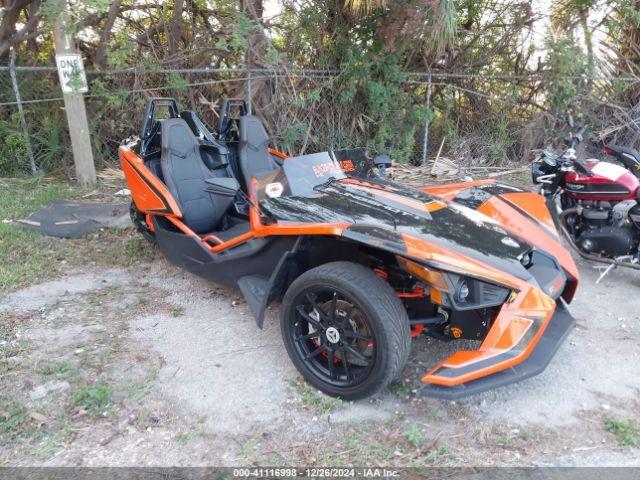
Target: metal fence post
[(425, 142), (23, 121), (249, 93)]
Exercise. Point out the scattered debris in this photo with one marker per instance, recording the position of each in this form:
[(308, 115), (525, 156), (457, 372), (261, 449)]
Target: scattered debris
[(67, 219)]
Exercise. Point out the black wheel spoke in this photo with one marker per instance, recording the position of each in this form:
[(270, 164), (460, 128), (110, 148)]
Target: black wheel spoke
[(357, 354), (345, 365), (356, 336), (331, 364), (308, 336), (308, 318), (334, 307), (315, 353), (317, 307)]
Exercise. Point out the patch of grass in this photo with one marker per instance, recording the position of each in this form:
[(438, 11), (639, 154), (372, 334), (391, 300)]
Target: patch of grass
[(14, 419), (433, 414), (414, 435), (128, 250), (352, 443), (249, 447), (142, 418), (442, 450), (28, 257), (400, 389), (182, 437), (201, 419), (58, 369), (312, 398), (380, 452), (525, 434), (93, 398), (47, 447), (139, 388), (177, 311), (10, 343), (626, 432)]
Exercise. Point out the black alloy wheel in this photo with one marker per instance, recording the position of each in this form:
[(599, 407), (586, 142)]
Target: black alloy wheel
[(345, 330)]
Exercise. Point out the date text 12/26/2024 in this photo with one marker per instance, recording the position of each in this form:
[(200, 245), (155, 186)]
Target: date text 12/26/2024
[(315, 473)]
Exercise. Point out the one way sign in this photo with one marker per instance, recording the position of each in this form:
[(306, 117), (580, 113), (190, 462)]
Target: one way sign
[(71, 73)]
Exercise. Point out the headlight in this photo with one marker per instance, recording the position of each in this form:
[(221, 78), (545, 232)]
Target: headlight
[(458, 291), (470, 293), (461, 293)]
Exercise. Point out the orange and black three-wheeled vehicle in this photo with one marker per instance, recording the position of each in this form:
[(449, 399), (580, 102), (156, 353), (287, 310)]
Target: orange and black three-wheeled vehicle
[(360, 264)]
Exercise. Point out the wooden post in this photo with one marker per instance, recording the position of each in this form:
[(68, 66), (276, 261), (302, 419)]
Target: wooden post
[(76, 113)]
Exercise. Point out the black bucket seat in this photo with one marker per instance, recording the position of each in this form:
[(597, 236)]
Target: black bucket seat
[(185, 175), (253, 150)]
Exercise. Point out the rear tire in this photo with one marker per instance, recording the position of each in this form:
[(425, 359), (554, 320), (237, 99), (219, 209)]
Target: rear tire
[(139, 220), (345, 330)]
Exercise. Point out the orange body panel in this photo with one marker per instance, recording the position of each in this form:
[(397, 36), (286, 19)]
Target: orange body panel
[(507, 209), (515, 331), (533, 204), (149, 194), (530, 310), (450, 190), (428, 207), (539, 235), (278, 153)]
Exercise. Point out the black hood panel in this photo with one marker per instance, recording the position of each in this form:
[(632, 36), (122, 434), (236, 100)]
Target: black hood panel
[(383, 211)]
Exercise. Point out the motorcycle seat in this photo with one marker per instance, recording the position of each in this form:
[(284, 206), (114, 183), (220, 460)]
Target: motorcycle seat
[(629, 157)]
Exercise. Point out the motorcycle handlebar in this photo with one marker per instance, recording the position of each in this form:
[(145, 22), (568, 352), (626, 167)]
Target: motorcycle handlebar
[(576, 138), (582, 168)]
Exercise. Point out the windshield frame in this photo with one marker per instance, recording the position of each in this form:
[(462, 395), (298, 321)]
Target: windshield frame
[(302, 175)]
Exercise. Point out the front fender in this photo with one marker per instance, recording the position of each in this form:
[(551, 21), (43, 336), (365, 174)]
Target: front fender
[(522, 213)]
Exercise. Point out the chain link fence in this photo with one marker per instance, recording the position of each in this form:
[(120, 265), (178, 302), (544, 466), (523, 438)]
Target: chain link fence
[(487, 121)]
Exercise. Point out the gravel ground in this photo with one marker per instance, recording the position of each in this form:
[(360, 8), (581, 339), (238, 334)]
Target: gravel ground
[(220, 371), (217, 352)]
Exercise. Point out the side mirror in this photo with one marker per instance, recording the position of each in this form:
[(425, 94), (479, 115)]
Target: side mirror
[(382, 162), (226, 187)]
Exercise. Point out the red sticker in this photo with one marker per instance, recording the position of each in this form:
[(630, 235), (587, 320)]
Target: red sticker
[(347, 166), (322, 169)]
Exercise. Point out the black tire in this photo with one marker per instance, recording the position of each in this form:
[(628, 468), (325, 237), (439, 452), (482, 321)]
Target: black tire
[(373, 319)]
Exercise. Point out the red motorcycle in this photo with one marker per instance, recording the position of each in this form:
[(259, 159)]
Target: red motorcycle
[(596, 202)]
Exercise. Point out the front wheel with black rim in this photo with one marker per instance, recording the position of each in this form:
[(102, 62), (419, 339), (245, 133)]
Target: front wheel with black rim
[(345, 330)]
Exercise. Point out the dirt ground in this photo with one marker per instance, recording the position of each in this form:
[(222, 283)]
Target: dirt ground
[(149, 365)]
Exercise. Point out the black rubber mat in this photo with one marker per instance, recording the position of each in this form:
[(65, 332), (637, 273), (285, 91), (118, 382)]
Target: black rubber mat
[(65, 219)]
